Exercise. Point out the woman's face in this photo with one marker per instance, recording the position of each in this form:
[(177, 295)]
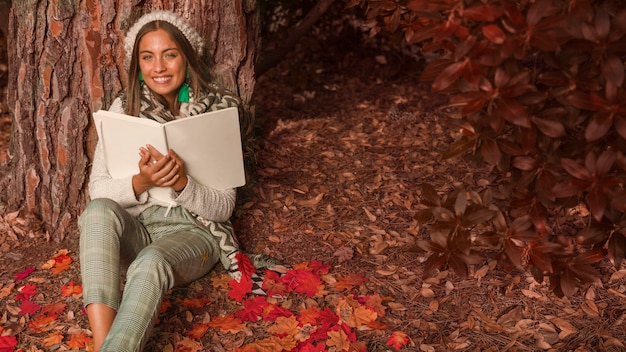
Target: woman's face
[(162, 64)]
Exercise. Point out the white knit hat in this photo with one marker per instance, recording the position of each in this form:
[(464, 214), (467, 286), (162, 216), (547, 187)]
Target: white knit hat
[(189, 32)]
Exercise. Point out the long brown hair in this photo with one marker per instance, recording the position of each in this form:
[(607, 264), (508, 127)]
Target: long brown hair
[(198, 70)]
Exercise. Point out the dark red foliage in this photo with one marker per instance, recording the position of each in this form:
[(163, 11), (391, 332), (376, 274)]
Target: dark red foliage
[(541, 96)]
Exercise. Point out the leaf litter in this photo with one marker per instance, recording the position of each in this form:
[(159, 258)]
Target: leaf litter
[(338, 184)]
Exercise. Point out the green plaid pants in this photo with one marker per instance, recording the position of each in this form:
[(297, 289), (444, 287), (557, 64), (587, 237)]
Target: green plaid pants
[(160, 251)]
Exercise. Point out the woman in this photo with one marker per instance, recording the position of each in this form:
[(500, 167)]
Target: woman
[(166, 242)]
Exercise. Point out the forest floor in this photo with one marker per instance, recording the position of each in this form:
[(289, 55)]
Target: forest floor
[(346, 137)]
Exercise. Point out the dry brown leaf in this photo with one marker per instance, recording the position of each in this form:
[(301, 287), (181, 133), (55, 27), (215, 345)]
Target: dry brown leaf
[(311, 201), (377, 244), (565, 327), (369, 214), (532, 294), (427, 292), (396, 306), (618, 275), (6, 290), (344, 253), (274, 239), (510, 318)]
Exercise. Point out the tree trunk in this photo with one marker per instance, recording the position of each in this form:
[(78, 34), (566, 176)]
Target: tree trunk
[(66, 61)]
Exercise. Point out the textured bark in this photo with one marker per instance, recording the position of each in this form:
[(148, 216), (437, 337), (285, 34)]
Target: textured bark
[(66, 61)]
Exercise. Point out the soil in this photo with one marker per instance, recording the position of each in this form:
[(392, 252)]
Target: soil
[(346, 136)]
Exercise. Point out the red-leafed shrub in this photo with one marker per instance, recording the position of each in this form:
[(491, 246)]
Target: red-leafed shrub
[(539, 87)]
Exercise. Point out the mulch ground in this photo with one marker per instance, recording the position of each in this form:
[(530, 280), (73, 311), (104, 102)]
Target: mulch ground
[(346, 138)]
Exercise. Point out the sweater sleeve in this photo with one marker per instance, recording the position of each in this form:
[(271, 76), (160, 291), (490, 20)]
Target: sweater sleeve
[(102, 185)]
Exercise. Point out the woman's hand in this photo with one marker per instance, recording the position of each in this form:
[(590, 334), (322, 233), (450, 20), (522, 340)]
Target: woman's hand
[(158, 170)]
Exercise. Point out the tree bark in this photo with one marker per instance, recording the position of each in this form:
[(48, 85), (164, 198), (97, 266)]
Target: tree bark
[(66, 61)]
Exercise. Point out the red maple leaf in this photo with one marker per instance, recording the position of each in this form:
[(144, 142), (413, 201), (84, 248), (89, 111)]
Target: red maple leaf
[(327, 320), (239, 290), (24, 274), (26, 292), (273, 285), (397, 340), (302, 281), (71, 289), (273, 311), (245, 264), (28, 307), (309, 347), (78, 341), (198, 331), (319, 267), (7, 343), (53, 308), (252, 308)]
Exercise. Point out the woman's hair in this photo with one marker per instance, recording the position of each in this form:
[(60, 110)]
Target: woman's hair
[(198, 72)]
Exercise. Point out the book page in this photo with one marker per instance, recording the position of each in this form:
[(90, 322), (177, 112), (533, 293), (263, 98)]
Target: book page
[(210, 145), (122, 136)]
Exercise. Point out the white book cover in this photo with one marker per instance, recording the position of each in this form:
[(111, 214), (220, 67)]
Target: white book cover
[(209, 144)]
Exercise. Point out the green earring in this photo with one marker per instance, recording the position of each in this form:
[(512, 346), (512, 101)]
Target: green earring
[(183, 93), (140, 76)]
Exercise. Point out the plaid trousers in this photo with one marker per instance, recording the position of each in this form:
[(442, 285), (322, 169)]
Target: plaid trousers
[(160, 252)]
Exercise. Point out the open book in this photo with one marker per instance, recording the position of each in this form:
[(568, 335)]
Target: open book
[(209, 144)]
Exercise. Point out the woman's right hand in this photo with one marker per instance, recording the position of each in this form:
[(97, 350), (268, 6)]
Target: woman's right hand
[(155, 170)]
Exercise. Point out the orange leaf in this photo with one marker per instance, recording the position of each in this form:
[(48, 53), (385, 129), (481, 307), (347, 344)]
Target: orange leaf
[(361, 316), (339, 340), (397, 340), (195, 302), (198, 331), (165, 305), (78, 341), (284, 325), (53, 338), (43, 323), (56, 308), (309, 315), (270, 344), (71, 289), (349, 282), (376, 303), (228, 323)]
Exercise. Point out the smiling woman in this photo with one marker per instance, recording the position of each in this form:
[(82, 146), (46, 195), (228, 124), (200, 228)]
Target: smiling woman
[(169, 237)]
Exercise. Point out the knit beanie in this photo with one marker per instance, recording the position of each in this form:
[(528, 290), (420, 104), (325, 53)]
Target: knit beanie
[(189, 32)]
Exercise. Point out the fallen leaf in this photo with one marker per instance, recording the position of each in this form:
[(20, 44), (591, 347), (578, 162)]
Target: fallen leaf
[(565, 327), (397, 340), (78, 341), (24, 274), (53, 338), (344, 253), (28, 307), (228, 323), (349, 282)]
